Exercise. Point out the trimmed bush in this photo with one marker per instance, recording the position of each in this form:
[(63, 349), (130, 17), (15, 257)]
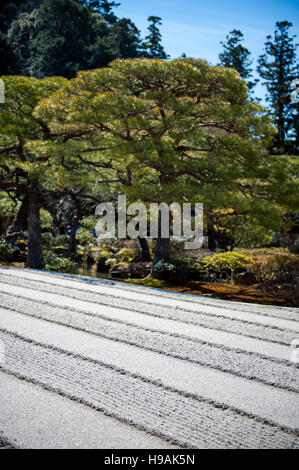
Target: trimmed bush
[(177, 270), (60, 264)]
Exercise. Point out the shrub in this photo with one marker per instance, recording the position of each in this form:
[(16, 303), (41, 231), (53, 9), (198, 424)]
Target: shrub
[(47, 239), (56, 263), (226, 264), (284, 286), (125, 255), (85, 237), (274, 266), (177, 270), (89, 222), (6, 250), (46, 219), (60, 240), (294, 248), (122, 256)]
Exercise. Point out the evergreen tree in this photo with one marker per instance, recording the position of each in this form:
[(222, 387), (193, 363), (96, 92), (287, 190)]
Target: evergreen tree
[(168, 131), (152, 45), (104, 7), (20, 169), (8, 59), (20, 35), (103, 48), (236, 56), (278, 67), (127, 38), (64, 34)]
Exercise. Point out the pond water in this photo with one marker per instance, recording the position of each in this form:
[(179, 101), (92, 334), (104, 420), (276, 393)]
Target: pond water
[(92, 271)]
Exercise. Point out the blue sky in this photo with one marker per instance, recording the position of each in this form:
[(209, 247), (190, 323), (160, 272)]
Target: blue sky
[(196, 27)]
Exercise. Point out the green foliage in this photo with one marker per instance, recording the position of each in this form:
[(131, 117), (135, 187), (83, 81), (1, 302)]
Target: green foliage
[(126, 37), (47, 239), (85, 234), (294, 248), (60, 264), (46, 219), (177, 270), (152, 45), (270, 268), (89, 222), (59, 37), (85, 237), (122, 256), (235, 55), (6, 250), (125, 255), (60, 240), (20, 34), (63, 33), (8, 210), (278, 67), (226, 264)]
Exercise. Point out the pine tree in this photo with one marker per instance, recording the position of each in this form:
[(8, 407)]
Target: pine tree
[(236, 56), (167, 131), (278, 67), (8, 59), (63, 38), (104, 7), (20, 169), (152, 45), (127, 38), (20, 35)]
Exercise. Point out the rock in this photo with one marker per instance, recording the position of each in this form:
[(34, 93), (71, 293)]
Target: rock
[(120, 270), (133, 270), (246, 279)]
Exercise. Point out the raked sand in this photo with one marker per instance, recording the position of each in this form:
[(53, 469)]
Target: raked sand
[(90, 363)]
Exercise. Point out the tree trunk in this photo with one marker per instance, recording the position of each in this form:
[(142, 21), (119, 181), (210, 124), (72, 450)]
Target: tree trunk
[(162, 246), (162, 249), (20, 222), (34, 258), (211, 237), (145, 253), (74, 227)]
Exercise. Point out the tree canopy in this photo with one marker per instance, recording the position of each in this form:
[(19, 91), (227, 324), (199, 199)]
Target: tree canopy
[(278, 67), (168, 131), (237, 56)]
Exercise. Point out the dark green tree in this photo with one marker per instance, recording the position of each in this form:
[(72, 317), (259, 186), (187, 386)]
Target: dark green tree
[(65, 32), (8, 60), (152, 45), (236, 56), (103, 49), (11, 9), (278, 67), (20, 35), (127, 38), (104, 7)]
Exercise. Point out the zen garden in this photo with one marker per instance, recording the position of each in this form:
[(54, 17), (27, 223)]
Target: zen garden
[(82, 123)]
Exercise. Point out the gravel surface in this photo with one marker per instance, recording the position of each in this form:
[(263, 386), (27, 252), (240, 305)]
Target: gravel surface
[(183, 370)]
